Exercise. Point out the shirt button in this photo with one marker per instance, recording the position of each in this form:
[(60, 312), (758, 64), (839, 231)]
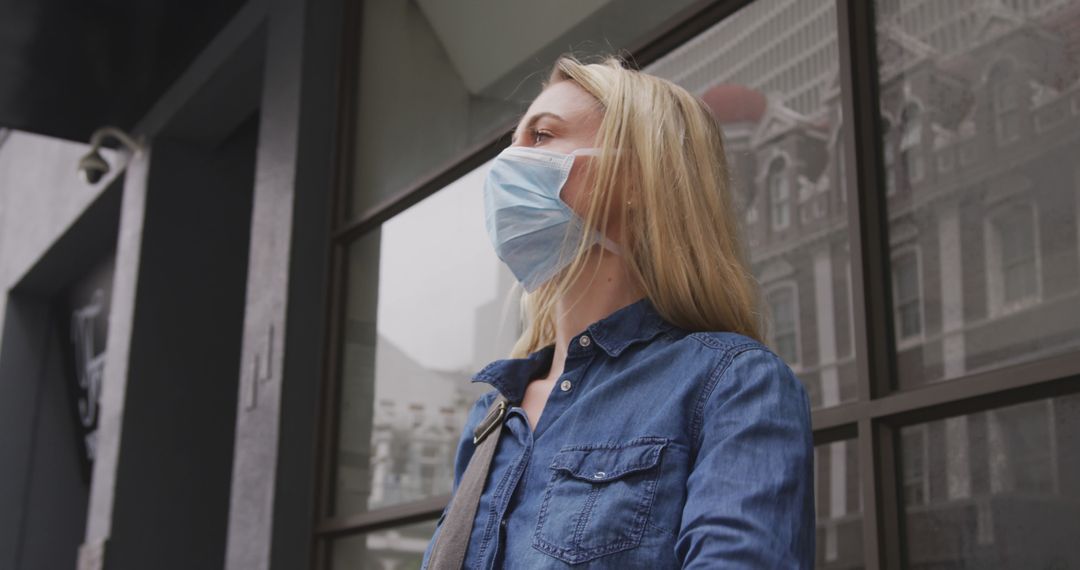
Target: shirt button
[(565, 386), (584, 341), (502, 523)]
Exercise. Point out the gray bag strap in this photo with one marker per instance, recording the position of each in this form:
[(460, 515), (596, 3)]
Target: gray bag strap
[(448, 553)]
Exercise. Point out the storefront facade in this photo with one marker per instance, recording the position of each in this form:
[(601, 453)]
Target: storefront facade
[(905, 176)]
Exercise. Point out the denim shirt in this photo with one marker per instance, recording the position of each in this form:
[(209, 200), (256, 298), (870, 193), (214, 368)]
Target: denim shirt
[(657, 448)]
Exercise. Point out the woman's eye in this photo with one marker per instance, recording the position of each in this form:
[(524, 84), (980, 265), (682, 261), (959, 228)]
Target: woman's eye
[(539, 136)]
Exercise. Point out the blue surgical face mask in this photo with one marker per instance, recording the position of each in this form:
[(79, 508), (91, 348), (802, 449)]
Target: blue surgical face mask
[(533, 231)]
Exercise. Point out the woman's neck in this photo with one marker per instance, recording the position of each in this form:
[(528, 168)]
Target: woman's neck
[(589, 299)]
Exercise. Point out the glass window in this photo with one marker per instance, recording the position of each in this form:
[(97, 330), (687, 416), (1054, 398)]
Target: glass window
[(784, 335), (994, 489), (769, 74), (999, 265), (838, 503), (916, 483), (440, 79), (889, 150), (1006, 93), (841, 174), (908, 303), (408, 354), (1014, 263), (394, 548), (779, 192), (946, 160), (911, 145), (983, 216)]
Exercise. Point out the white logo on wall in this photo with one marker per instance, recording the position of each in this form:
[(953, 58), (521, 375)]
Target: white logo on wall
[(88, 366)]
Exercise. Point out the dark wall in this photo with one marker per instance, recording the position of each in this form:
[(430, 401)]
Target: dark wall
[(56, 490), (175, 467), (42, 491)]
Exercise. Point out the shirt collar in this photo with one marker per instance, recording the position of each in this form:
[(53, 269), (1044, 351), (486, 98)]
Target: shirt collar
[(637, 322)]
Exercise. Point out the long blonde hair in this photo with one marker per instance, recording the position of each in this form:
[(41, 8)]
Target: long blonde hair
[(680, 234)]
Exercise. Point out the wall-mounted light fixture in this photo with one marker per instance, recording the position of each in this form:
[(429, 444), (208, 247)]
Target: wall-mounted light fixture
[(92, 166)]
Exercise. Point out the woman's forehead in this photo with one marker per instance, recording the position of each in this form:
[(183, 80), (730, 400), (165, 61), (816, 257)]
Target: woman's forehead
[(564, 98), (563, 101)]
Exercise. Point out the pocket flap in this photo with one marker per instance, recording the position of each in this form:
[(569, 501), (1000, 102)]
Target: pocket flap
[(599, 463)]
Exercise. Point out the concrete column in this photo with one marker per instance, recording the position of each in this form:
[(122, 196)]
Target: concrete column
[(957, 458), (952, 291), (115, 375), (272, 500), (825, 315), (957, 444), (837, 495)]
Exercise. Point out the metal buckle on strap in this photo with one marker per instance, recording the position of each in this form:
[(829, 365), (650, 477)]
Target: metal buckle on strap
[(489, 423)]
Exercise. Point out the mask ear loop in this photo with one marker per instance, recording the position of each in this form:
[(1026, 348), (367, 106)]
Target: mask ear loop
[(593, 151), (610, 245), (605, 242)]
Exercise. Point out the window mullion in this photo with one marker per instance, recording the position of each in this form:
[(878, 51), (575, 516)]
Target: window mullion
[(870, 258)]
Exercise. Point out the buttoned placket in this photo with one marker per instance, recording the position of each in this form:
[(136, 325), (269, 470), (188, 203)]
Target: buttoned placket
[(579, 356)]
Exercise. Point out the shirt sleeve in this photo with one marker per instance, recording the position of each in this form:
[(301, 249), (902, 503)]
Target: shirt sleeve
[(750, 500), (465, 450)]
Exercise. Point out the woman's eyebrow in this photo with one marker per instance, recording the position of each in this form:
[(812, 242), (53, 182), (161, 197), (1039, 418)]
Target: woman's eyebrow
[(533, 120)]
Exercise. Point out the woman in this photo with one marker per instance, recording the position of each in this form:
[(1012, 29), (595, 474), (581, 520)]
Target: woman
[(647, 425)]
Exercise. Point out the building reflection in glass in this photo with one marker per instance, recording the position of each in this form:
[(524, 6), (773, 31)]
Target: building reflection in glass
[(994, 489), (400, 548), (428, 305), (984, 194)]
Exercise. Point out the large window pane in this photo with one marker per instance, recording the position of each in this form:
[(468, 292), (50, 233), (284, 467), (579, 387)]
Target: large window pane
[(398, 548), (769, 73), (838, 502), (981, 101), (426, 308), (438, 78), (995, 489)]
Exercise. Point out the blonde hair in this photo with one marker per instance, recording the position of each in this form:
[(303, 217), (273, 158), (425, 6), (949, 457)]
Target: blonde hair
[(680, 235)]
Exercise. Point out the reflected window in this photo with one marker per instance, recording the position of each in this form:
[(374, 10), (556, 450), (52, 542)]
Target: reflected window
[(986, 490), (838, 504), (841, 173), (1013, 258), (1006, 93), (997, 230), (408, 355), (784, 332), (888, 150), (916, 483), (1021, 457), (396, 548), (907, 301), (779, 193), (911, 144), (946, 159)]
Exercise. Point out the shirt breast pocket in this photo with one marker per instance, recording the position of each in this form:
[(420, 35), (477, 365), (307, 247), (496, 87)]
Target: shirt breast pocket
[(598, 499)]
